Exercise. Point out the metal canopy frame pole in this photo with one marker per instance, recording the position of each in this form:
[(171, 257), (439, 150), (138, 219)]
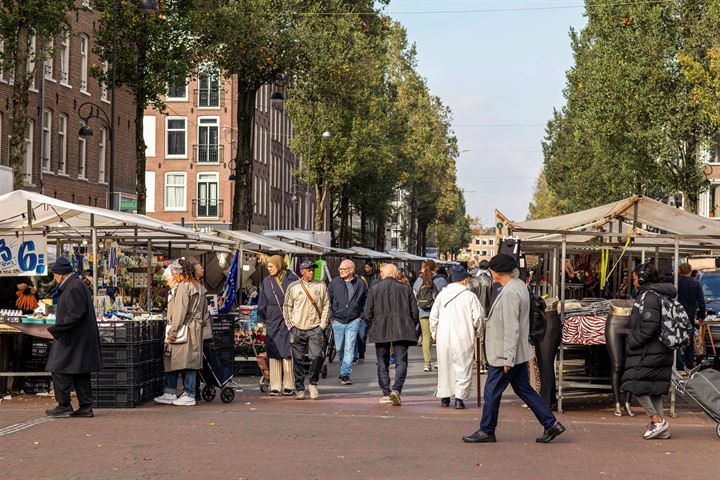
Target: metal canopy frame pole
[(561, 362), (149, 279), (555, 272), (95, 263), (241, 273), (675, 280)]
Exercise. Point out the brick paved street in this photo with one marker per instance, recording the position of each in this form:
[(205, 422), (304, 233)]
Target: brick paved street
[(345, 435)]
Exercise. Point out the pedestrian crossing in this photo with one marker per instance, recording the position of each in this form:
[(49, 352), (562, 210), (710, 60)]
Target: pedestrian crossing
[(19, 427)]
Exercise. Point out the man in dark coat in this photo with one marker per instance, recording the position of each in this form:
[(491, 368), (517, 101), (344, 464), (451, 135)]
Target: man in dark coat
[(392, 316), (75, 353), (691, 297)]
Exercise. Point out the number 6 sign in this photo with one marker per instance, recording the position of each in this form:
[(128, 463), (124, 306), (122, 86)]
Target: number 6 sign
[(25, 255)]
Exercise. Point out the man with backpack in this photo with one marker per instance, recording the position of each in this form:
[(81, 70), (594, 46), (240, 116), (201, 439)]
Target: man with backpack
[(426, 288)]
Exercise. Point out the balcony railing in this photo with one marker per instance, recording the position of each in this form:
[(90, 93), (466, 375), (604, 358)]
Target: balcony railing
[(207, 208), (208, 154), (208, 97)]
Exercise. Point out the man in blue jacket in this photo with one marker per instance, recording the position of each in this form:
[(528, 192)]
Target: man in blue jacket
[(690, 296), (347, 303)]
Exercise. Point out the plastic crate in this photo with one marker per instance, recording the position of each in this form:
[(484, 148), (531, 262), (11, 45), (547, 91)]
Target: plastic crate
[(127, 397), (124, 376), (131, 331), (33, 385), (130, 354)]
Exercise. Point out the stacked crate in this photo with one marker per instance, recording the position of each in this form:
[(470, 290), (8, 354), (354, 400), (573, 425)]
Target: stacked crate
[(35, 356), (132, 355)]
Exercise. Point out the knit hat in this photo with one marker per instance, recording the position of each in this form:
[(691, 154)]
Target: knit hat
[(503, 263), (458, 274), (61, 266), (276, 261), (484, 265), (308, 264)]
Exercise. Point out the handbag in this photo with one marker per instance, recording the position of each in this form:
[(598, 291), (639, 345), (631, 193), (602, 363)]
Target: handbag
[(182, 334)]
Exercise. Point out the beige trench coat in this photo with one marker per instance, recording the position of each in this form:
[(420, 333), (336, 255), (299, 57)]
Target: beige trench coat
[(187, 305)]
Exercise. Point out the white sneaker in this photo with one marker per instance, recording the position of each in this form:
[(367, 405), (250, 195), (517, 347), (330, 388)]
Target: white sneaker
[(185, 400), (314, 392), (655, 429), (385, 401), (166, 398)]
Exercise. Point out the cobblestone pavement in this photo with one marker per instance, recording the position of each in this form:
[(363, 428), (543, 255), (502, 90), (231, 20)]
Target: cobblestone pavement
[(345, 434)]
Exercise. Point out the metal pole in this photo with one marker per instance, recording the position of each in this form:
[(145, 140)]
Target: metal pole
[(657, 256), (149, 279), (111, 132), (642, 256), (554, 273), (241, 265), (42, 123), (675, 279), (478, 364), (562, 320), (95, 259)]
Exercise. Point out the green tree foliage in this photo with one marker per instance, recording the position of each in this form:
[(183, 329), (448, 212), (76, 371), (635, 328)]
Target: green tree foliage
[(544, 202), (153, 50), (20, 20), (630, 124)]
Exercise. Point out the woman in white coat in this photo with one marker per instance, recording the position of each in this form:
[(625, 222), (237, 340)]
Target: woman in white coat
[(455, 321)]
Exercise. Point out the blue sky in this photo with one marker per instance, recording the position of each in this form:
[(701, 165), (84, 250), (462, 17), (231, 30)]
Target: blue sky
[(501, 73)]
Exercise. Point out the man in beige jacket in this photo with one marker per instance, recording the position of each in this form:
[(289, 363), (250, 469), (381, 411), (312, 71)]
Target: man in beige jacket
[(306, 310)]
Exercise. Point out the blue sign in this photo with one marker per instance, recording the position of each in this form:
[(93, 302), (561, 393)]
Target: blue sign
[(23, 255)]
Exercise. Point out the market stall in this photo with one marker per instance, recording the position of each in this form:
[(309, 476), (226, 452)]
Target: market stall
[(620, 234)]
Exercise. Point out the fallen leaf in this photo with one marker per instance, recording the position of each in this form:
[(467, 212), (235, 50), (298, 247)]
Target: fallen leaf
[(212, 424), (478, 464), (341, 456), (99, 445), (36, 443)]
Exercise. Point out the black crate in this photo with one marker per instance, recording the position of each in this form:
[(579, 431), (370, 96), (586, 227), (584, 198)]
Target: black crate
[(125, 376), (33, 385), (224, 322), (130, 354), (127, 397), (131, 331)]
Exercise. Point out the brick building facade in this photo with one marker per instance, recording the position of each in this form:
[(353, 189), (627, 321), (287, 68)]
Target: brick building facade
[(59, 162)]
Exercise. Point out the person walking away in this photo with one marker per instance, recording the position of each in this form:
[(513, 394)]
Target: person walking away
[(183, 341), (306, 310), (347, 304), (370, 277), (427, 286), (392, 315), (75, 353), (648, 366), (455, 321), (507, 346), (277, 340), (691, 297)]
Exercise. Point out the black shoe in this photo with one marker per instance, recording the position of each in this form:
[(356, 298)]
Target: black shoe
[(361, 359), (550, 434), (480, 437), (459, 404), (445, 402), (59, 412), (287, 392), (83, 413), (345, 380)]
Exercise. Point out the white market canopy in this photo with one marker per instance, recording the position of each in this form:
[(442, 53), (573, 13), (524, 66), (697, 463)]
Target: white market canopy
[(405, 256), (299, 238), (655, 225), (371, 254), (262, 243)]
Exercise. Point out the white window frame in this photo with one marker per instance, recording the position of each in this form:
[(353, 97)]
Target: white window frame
[(62, 140), (102, 155), (65, 59), (84, 54), (82, 156), (32, 60), (49, 62), (168, 98), (167, 133), (46, 141), (216, 119), (165, 189), (210, 72), (29, 144), (103, 85), (216, 179)]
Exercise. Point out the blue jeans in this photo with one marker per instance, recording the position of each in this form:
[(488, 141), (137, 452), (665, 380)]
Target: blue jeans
[(382, 351), (345, 336), (189, 381), (519, 378), (361, 344)]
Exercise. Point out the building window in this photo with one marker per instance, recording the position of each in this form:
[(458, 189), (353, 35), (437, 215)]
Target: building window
[(31, 59), (65, 58), (149, 191), (477, 241), (208, 147), (484, 253), (484, 241), (207, 201), (46, 153), (149, 123), (209, 90), (29, 153), (62, 143), (49, 67), (175, 188), (82, 155), (177, 91), (176, 141), (103, 85), (84, 44), (102, 143), (491, 241)]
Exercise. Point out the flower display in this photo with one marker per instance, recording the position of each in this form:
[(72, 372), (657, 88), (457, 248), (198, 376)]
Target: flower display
[(248, 342)]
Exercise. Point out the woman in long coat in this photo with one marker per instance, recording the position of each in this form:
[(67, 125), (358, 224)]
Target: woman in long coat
[(270, 312), (648, 366), (186, 307)]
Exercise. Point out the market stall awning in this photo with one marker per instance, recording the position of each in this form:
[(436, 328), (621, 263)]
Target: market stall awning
[(316, 245), (255, 241), (371, 254), (405, 256)]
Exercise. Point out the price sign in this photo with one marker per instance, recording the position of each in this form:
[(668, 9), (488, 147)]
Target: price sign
[(25, 255)]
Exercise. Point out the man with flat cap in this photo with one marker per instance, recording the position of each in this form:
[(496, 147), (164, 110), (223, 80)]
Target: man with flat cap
[(75, 353), (507, 346), (306, 309)]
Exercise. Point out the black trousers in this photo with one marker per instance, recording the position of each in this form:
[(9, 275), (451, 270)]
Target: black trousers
[(312, 344), (400, 351), (63, 383)]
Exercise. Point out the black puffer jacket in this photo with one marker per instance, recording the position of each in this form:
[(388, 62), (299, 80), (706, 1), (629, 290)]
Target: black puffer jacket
[(648, 367)]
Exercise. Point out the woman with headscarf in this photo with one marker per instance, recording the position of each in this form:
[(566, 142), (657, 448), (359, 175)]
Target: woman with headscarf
[(186, 308), (277, 339)]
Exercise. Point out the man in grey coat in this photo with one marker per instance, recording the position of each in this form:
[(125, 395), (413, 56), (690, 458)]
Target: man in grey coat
[(507, 346)]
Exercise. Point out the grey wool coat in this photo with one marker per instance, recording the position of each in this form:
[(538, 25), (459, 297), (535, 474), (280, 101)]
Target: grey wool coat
[(188, 305), (507, 329)]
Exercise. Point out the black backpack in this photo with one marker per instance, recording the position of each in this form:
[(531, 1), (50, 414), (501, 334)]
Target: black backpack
[(426, 296), (538, 323)]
